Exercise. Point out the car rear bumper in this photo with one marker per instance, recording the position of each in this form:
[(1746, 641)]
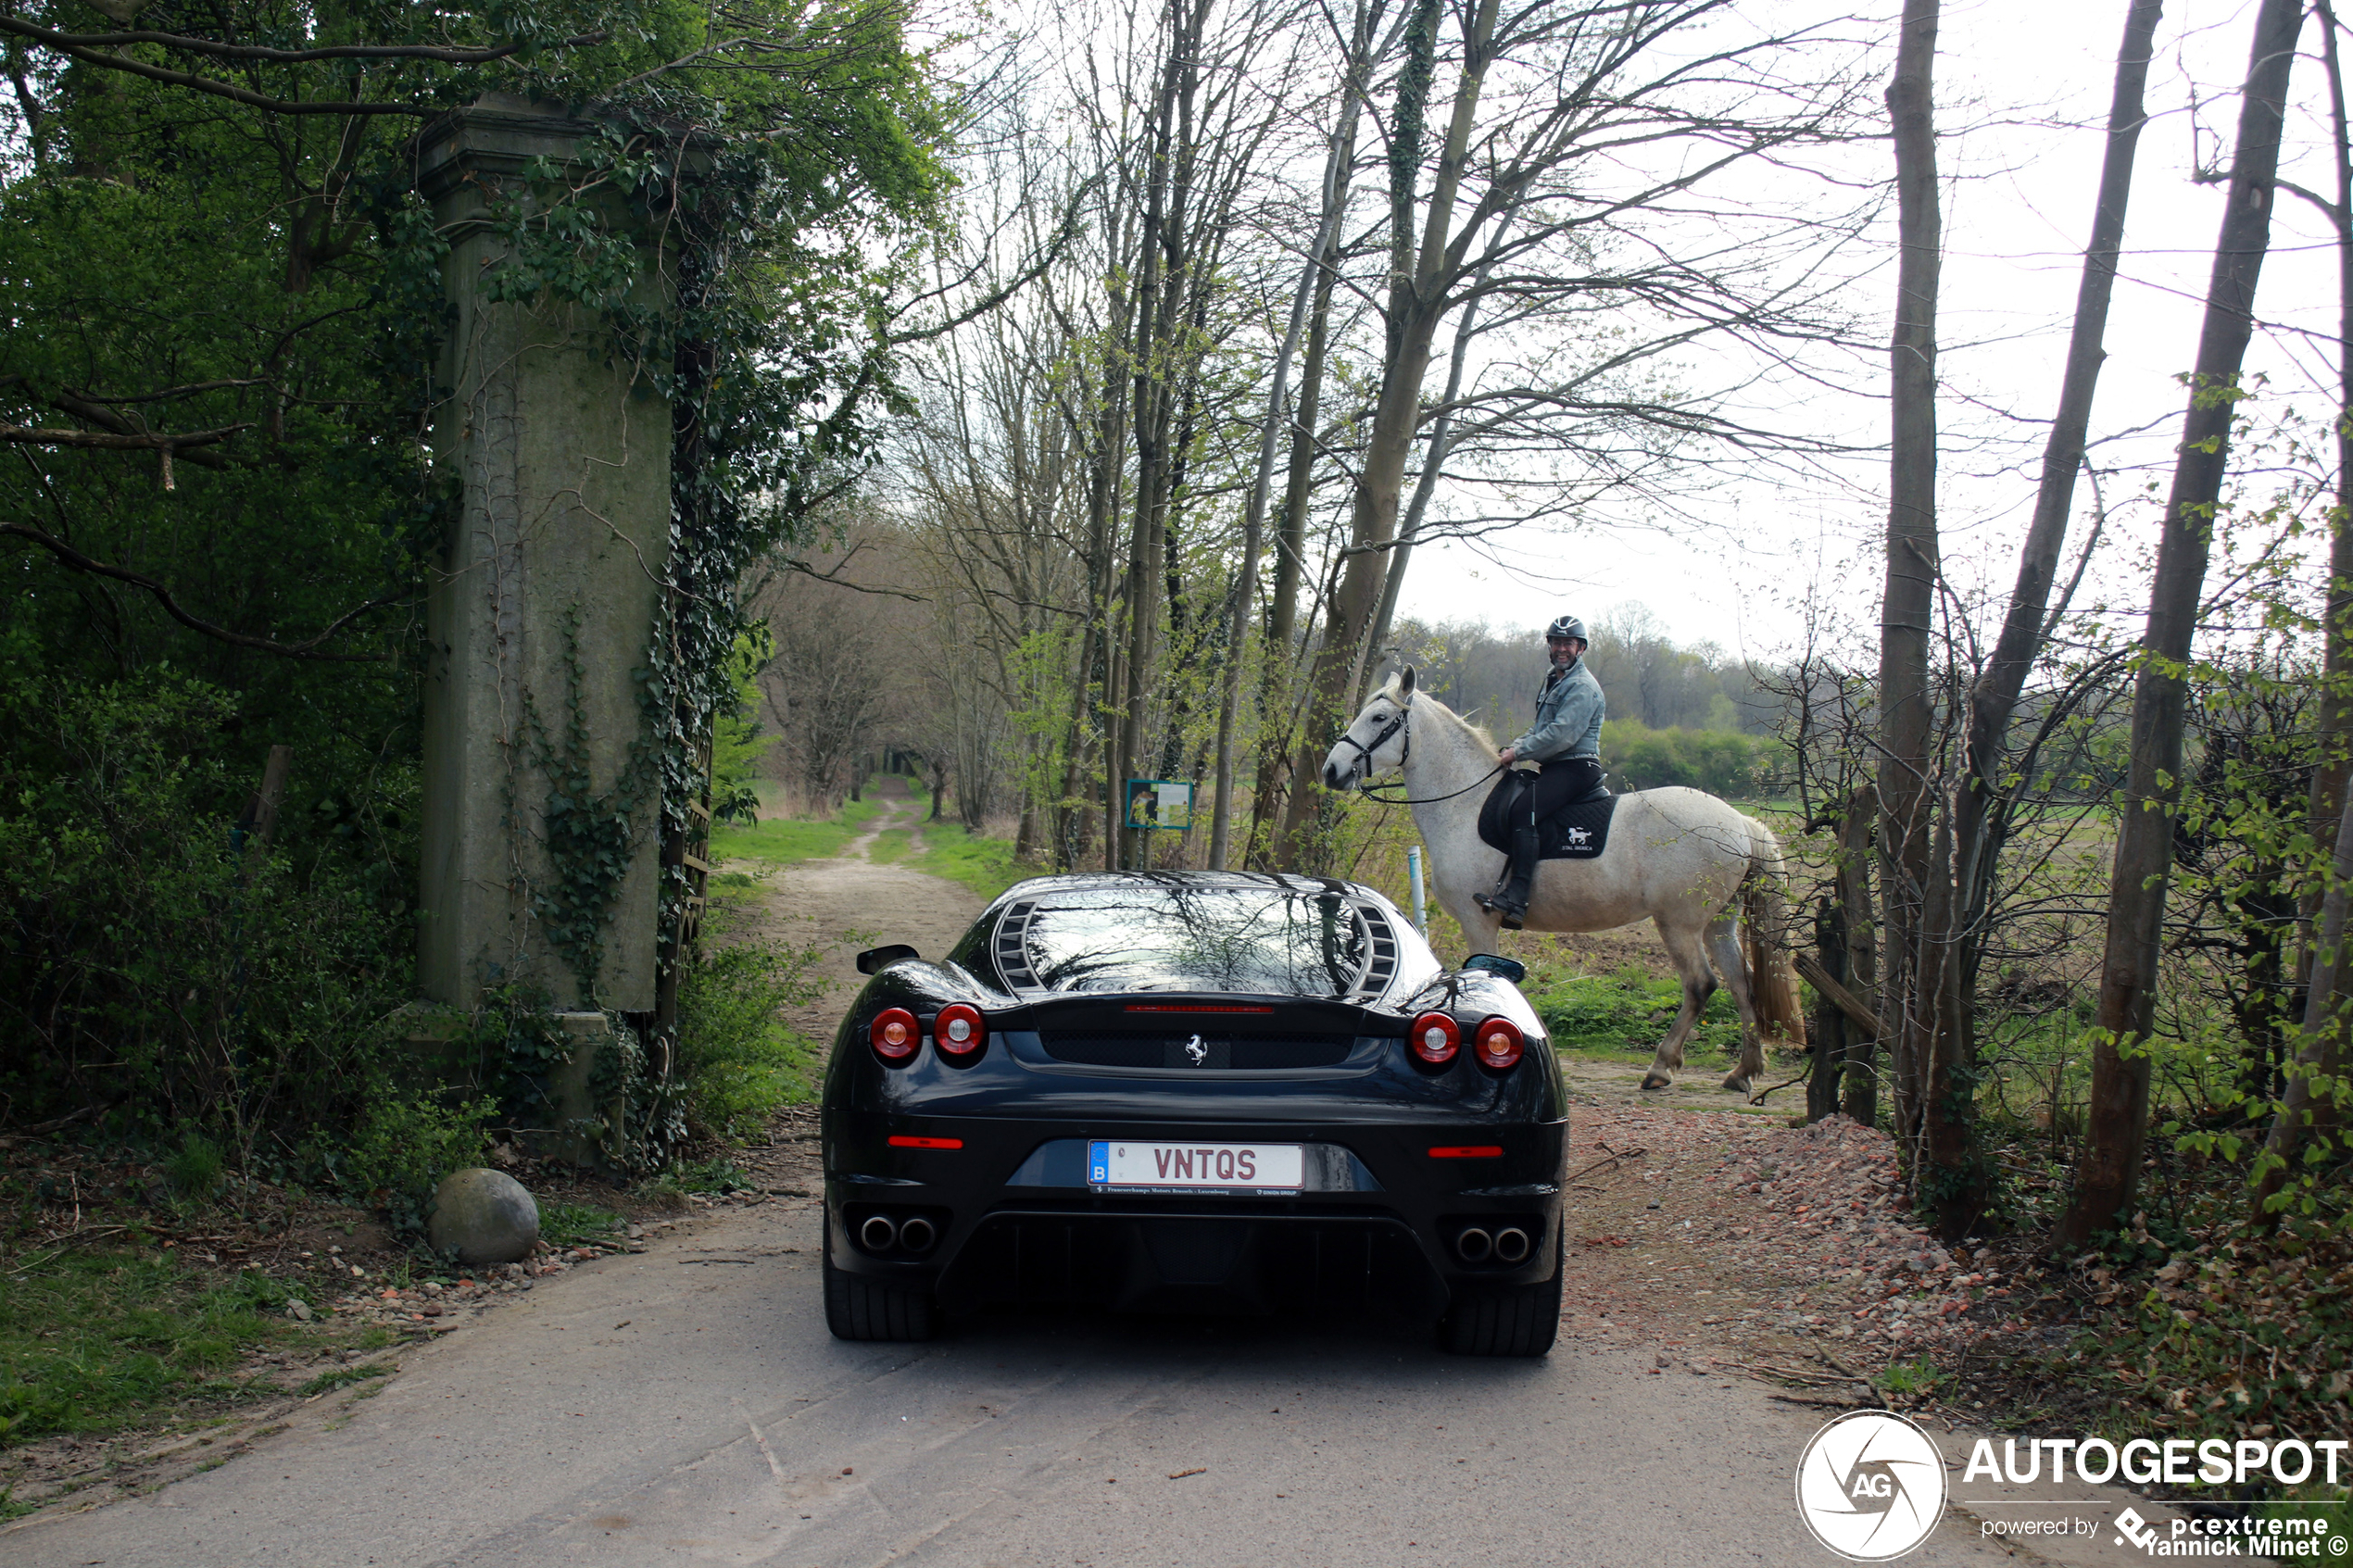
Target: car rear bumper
[(1014, 1224)]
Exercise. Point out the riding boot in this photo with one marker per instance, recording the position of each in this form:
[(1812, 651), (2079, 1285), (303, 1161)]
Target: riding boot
[(1510, 898)]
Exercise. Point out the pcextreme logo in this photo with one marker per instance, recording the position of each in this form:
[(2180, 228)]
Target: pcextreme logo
[(1870, 1486)]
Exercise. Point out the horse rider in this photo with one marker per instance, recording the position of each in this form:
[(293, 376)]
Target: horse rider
[(1566, 744)]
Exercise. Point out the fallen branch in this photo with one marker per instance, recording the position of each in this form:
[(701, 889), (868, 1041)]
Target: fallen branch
[(1818, 1404), (1612, 1159), (1839, 995)]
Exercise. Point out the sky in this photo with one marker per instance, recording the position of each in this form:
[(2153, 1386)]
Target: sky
[(2022, 93)]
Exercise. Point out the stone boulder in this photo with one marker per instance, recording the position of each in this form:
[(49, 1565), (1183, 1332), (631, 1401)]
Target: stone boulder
[(484, 1217)]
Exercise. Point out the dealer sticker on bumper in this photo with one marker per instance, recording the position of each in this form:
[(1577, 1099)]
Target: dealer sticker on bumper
[(1254, 1167)]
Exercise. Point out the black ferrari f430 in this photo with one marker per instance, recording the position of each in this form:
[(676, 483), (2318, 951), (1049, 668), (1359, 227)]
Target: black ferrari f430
[(1194, 1092)]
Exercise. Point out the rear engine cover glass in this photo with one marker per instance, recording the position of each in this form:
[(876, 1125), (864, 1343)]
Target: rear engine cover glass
[(1250, 940)]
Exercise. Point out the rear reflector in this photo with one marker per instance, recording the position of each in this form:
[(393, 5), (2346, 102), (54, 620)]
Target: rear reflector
[(1470, 1151), (900, 1140), (1191, 1007)]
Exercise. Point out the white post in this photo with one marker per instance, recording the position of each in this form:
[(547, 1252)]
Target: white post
[(1414, 876)]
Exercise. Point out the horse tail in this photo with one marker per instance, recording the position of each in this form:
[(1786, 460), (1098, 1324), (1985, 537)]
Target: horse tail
[(1772, 983)]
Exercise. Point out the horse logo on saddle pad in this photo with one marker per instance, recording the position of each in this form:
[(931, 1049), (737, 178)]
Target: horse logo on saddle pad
[(1578, 831)]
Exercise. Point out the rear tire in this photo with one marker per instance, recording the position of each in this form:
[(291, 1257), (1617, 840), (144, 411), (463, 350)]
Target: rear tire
[(1504, 1319), (856, 1308)]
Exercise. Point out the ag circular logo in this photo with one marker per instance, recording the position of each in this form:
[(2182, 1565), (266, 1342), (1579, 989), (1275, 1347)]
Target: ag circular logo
[(1870, 1486)]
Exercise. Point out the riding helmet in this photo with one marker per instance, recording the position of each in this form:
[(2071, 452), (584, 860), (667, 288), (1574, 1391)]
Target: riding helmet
[(1567, 626)]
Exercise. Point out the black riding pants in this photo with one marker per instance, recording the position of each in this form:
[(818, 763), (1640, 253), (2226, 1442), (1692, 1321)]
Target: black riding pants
[(1560, 782)]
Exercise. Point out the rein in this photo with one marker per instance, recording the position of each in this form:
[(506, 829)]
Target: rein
[(1405, 712)]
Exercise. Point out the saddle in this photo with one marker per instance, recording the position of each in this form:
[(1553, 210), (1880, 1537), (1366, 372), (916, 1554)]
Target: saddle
[(1578, 831)]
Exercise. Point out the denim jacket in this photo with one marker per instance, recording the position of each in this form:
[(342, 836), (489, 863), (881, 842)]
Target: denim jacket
[(1569, 719)]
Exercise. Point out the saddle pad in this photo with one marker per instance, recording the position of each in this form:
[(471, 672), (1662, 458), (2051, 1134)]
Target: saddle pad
[(1579, 832), (1576, 832)]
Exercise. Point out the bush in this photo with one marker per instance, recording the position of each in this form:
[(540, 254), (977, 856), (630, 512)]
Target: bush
[(1720, 761), (149, 962), (738, 1059), (402, 1149)]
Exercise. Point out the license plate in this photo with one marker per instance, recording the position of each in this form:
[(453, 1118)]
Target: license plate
[(1248, 1167)]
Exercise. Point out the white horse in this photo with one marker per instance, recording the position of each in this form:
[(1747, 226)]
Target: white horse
[(1678, 857)]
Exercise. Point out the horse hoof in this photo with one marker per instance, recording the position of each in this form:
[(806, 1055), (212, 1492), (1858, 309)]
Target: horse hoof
[(1655, 1080)]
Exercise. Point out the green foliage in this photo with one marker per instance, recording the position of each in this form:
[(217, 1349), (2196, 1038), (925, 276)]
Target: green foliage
[(710, 1175), (1918, 1378), (1722, 762), (92, 1340), (737, 1057), (145, 962), (150, 964), (590, 833), (736, 742), (403, 1146)]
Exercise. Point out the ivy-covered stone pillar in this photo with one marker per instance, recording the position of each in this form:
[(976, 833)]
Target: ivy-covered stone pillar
[(541, 793)]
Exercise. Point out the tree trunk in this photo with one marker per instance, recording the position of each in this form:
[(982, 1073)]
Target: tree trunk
[(2117, 1119), (1830, 1027), (1907, 607), (2323, 1050), (1433, 465), (1290, 550), (1860, 1096), (1255, 518), (1151, 433), (1417, 301), (1959, 900)]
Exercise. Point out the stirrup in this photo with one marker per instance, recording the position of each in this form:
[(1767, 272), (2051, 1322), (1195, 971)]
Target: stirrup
[(1495, 904)]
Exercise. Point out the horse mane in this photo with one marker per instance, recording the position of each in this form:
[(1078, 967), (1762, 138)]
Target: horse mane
[(1423, 702)]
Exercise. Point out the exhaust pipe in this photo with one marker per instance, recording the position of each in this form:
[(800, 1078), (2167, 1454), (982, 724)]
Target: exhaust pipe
[(1511, 1244), (1474, 1245), (877, 1233), (916, 1234)]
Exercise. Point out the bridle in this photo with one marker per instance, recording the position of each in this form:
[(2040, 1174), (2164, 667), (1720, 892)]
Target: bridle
[(1402, 721)]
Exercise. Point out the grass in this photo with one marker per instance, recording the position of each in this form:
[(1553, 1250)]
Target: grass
[(338, 1377), (891, 845), (1622, 1015), (92, 1340), (569, 1224), (985, 865), (784, 841)]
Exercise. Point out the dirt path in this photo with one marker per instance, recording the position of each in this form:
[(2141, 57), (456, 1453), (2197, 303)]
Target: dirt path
[(847, 903)]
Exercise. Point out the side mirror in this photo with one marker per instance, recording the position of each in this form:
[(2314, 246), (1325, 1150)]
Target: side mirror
[(1497, 965), (876, 958)]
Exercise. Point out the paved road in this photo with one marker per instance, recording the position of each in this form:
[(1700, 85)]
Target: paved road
[(687, 1405)]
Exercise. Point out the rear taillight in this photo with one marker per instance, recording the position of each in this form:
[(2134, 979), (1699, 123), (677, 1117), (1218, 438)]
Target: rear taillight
[(1499, 1043), (959, 1031), (1436, 1039), (896, 1036)]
